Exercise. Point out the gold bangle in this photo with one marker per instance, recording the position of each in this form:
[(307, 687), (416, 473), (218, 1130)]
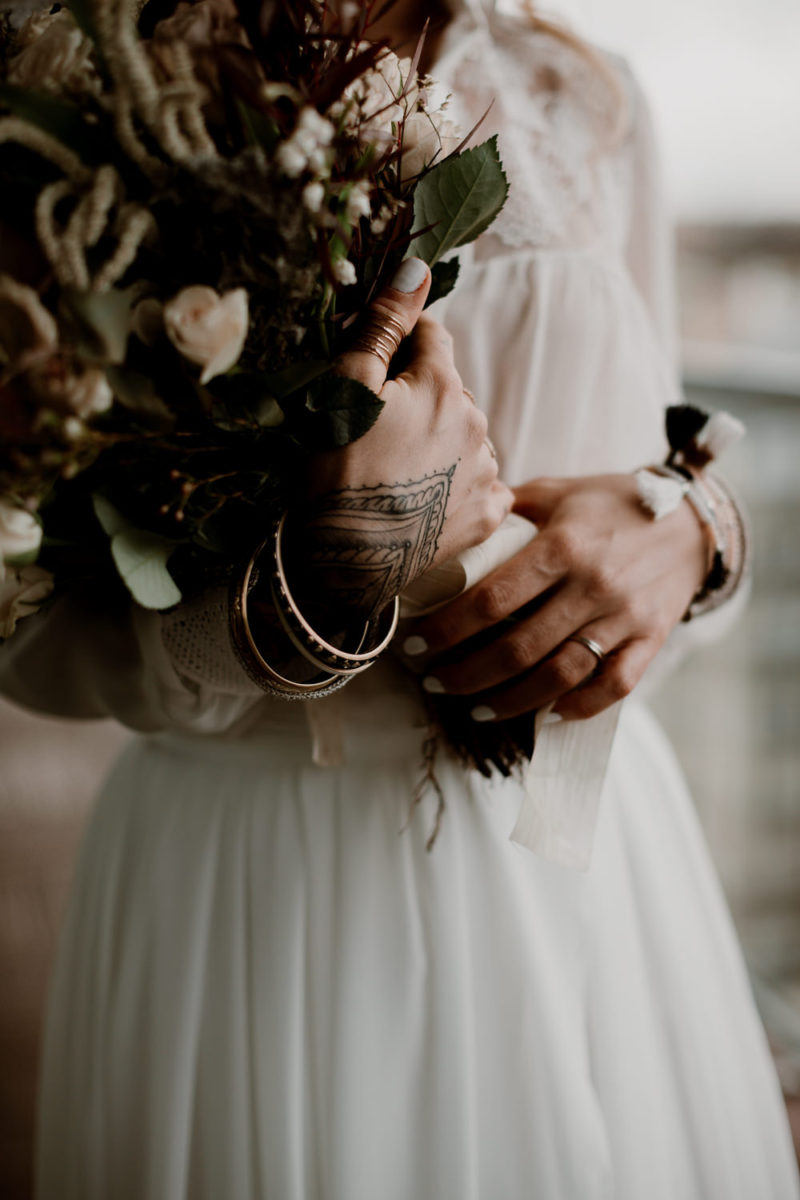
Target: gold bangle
[(320, 653), (252, 660)]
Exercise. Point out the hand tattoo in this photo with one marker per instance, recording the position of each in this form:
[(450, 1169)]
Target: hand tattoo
[(360, 547)]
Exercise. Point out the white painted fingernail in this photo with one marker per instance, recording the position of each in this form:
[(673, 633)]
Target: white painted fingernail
[(434, 685), (483, 713), (552, 718), (410, 275), (414, 645)]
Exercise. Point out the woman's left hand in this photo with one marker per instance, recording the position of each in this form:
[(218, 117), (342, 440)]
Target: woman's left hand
[(600, 568)]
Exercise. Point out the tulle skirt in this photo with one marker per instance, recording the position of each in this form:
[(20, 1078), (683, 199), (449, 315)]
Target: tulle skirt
[(268, 987)]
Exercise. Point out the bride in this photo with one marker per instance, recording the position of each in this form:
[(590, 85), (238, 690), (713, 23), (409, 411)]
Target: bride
[(267, 985)]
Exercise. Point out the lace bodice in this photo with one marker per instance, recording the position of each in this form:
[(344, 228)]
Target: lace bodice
[(565, 128)]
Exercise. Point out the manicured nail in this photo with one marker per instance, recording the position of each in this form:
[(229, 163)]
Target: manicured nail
[(414, 645), (410, 275), (434, 685), (552, 718), (483, 713)]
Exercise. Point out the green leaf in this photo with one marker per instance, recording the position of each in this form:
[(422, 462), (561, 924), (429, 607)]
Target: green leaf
[(98, 323), (444, 279), (339, 411), (140, 557), (457, 200), (109, 517)]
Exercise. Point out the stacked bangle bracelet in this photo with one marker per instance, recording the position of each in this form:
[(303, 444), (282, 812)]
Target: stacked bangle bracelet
[(323, 667)]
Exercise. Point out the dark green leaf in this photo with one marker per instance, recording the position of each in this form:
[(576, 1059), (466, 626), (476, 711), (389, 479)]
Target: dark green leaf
[(444, 279), (457, 200), (339, 410), (137, 393)]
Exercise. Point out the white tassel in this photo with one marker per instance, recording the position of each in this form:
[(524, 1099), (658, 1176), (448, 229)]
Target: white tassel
[(658, 494), (720, 431)]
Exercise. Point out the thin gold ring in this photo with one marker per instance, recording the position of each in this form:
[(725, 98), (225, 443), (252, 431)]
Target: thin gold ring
[(490, 447), (470, 396)]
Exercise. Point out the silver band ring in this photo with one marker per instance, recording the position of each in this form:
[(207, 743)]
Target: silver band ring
[(590, 645), (381, 337)]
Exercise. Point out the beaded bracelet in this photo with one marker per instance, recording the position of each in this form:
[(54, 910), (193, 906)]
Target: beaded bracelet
[(320, 653), (695, 440)]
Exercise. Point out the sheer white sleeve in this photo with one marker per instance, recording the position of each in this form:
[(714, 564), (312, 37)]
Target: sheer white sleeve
[(88, 656)]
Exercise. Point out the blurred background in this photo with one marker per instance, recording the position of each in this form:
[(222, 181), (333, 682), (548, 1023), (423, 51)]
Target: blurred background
[(723, 79)]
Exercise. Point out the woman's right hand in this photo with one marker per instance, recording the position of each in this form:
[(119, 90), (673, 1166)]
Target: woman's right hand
[(418, 488)]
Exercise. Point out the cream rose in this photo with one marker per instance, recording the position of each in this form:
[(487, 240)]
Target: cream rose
[(207, 328), (55, 56), (21, 593), (426, 136)]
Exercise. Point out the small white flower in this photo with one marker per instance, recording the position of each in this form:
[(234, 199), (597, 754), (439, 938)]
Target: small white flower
[(306, 147), (358, 203), (73, 428), (20, 533), (207, 328), (380, 223), (344, 271), (313, 196), (21, 592)]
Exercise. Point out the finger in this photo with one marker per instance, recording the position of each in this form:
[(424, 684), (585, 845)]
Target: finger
[(430, 345), (616, 679), (539, 653), (537, 498), (394, 311), (537, 568)]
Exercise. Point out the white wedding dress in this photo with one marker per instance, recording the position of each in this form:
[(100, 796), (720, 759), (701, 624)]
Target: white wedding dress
[(267, 987)]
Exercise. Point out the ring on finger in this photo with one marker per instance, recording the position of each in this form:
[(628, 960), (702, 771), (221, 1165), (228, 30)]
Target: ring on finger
[(591, 645), (490, 447), (381, 337), (470, 396)]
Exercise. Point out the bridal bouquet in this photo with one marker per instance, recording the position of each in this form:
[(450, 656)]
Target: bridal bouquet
[(195, 207)]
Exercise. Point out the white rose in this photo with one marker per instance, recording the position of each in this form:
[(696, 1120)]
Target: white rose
[(426, 137), (55, 56), (21, 593), (207, 328), (374, 104), (20, 533)]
